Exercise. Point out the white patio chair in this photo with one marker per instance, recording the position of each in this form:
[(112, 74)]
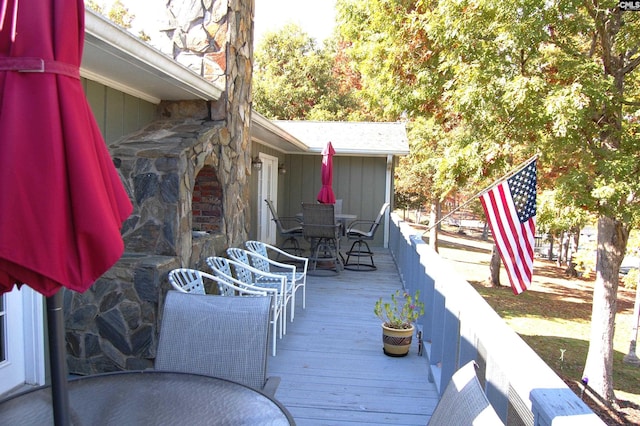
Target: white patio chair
[(242, 276), (196, 280), (265, 276), (187, 281), (298, 277), (225, 337)]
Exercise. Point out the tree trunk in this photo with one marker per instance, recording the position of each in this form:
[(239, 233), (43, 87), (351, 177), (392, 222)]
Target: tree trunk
[(573, 248), (433, 232), (550, 253), (485, 232), (494, 267), (564, 249), (612, 242)]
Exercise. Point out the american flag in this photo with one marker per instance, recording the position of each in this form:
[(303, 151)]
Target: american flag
[(510, 207)]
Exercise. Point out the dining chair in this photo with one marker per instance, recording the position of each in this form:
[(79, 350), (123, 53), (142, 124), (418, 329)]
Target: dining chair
[(323, 233), (225, 337), (297, 277), (242, 275), (291, 232), (264, 275), (361, 231), (464, 401)]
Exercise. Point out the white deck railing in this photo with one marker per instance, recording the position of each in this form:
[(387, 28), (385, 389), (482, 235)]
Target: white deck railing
[(459, 326)]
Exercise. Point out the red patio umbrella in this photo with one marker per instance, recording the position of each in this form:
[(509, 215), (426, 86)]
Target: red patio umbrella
[(62, 203), (326, 195)]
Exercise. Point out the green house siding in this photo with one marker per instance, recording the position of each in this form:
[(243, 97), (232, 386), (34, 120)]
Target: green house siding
[(117, 113)]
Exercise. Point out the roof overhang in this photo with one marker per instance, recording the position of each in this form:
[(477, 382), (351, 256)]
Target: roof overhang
[(266, 133), (117, 59), (368, 139)]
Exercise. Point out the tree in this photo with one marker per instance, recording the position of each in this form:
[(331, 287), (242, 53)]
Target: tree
[(593, 52), (398, 64), (503, 80), (295, 79), (118, 13), (555, 217), (571, 66)]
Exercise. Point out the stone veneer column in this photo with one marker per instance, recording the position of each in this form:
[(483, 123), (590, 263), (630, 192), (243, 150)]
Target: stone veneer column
[(215, 39), (239, 74)]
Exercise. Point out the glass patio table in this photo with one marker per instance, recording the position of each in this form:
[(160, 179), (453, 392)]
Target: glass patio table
[(149, 397)]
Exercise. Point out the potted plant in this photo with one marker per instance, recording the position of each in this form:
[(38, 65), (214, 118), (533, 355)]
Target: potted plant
[(397, 318)]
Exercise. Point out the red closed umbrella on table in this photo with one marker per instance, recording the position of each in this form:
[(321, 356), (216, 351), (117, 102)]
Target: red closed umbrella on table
[(326, 195), (62, 203)]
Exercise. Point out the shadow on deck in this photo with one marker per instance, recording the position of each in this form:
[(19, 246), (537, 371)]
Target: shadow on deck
[(331, 362)]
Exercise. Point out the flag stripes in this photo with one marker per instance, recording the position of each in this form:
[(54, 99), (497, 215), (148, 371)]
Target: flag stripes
[(510, 209)]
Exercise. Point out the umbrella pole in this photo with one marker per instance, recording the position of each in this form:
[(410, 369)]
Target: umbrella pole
[(57, 360)]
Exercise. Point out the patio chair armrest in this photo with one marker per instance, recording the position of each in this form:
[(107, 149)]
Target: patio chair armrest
[(290, 219), (271, 385), (286, 254), (336, 226), (287, 266), (272, 290), (359, 222)]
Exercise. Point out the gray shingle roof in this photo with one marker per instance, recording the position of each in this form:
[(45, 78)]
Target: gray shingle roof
[(348, 137)]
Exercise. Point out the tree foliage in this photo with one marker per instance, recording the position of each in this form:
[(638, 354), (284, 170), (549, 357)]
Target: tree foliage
[(117, 12), (296, 79), (554, 216), (500, 81)]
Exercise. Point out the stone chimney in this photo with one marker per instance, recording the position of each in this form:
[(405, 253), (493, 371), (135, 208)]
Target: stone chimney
[(188, 177)]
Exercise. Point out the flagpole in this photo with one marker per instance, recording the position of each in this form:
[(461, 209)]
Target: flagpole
[(500, 180)]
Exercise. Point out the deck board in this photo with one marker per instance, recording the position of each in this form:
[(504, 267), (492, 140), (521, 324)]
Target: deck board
[(331, 364)]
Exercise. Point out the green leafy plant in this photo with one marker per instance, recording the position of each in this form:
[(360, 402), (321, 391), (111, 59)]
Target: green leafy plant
[(401, 312)]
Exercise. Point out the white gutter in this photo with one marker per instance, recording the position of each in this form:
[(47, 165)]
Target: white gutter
[(267, 125), (119, 60)]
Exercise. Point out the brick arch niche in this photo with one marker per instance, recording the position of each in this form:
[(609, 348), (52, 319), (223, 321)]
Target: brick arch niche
[(207, 214)]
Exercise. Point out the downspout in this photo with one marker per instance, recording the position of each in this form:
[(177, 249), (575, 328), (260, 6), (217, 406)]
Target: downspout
[(388, 197)]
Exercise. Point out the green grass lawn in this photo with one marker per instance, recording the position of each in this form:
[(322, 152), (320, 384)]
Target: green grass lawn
[(557, 327), (553, 316)]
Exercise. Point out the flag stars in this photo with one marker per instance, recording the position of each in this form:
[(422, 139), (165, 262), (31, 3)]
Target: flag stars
[(523, 192)]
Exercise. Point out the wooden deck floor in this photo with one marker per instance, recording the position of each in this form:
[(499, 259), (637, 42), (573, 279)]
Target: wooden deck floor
[(331, 363)]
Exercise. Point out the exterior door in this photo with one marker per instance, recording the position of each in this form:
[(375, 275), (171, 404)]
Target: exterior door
[(267, 190), (21, 339)]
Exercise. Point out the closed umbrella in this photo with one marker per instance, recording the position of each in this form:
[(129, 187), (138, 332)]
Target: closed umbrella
[(326, 195), (62, 203)]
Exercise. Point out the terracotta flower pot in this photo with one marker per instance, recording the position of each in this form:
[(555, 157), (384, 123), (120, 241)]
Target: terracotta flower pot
[(396, 341)]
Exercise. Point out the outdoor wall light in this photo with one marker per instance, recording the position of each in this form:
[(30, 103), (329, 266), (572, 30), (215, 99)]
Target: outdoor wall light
[(256, 162), (282, 169)]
